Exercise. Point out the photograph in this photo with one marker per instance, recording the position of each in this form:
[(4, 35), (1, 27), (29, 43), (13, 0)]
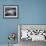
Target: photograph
[(10, 11)]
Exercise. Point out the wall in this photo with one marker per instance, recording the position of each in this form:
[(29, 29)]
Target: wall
[(30, 12)]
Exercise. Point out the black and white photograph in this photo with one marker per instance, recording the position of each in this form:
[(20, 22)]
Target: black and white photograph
[(10, 11)]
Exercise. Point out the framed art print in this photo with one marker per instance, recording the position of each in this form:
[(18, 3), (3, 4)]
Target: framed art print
[(10, 11), (33, 32)]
